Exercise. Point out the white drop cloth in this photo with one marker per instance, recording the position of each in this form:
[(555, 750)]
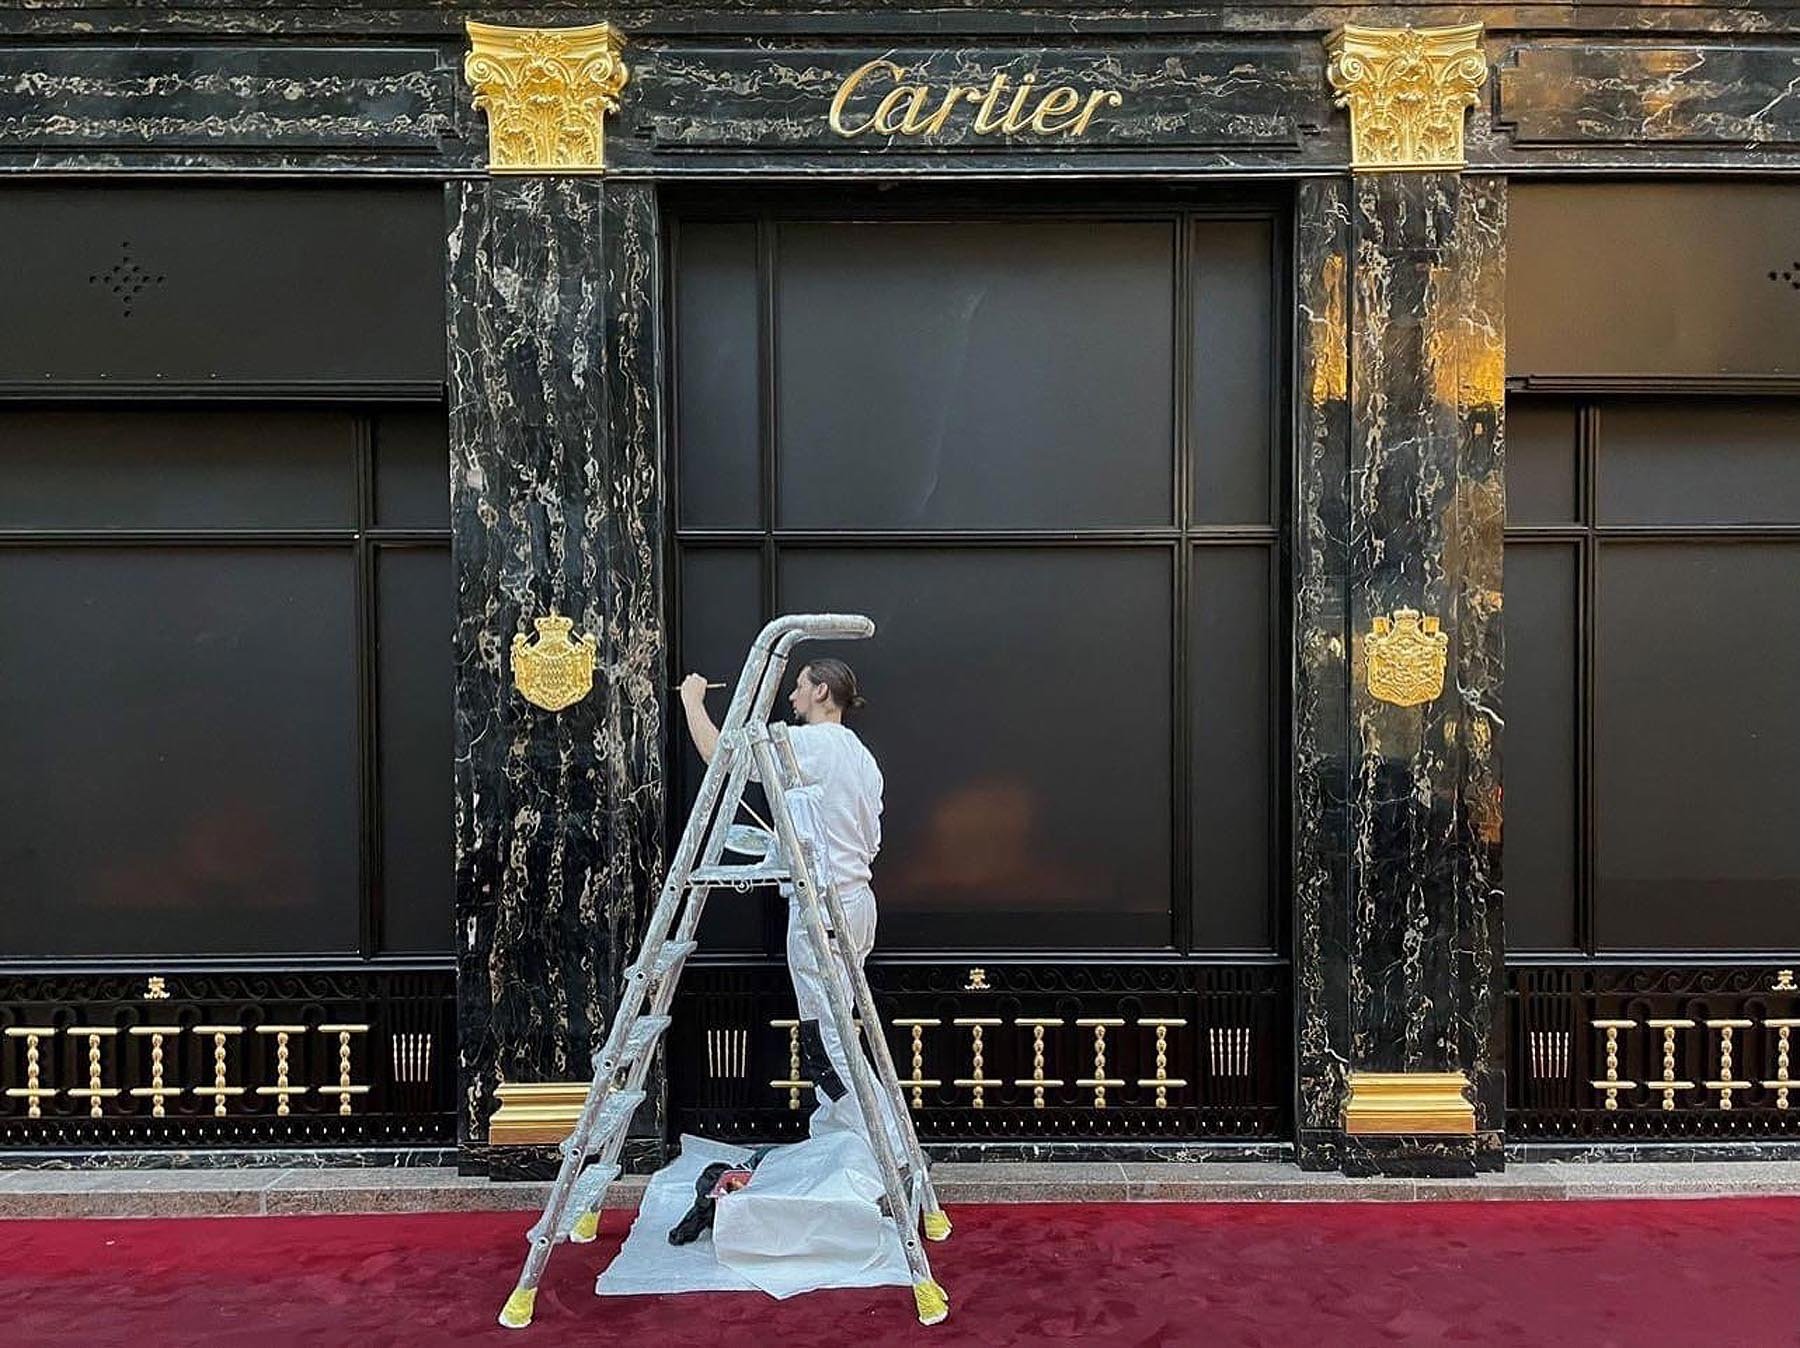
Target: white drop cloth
[(808, 1219)]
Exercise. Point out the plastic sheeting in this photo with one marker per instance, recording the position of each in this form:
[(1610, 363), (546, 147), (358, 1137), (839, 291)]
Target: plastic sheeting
[(808, 1219)]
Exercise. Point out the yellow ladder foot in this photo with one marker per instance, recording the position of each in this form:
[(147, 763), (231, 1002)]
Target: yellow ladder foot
[(587, 1227), (937, 1225), (932, 1300), (517, 1312)]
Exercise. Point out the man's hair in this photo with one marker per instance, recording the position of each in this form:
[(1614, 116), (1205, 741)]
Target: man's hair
[(839, 680)]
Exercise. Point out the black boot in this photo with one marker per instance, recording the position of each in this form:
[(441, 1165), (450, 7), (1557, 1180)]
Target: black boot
[(699, 1218)]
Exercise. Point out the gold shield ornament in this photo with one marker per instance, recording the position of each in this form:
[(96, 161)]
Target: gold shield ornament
[(1407, 655), (554, 670)]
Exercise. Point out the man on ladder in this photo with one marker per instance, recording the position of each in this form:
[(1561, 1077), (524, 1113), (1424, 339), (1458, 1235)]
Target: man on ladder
[(824, 797), (845, 796)]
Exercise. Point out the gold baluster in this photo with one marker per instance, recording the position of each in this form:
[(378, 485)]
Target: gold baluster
[(221, 1090), (345, 1088), (1669, 1085), (156, 1091), (1100, 1081), (1782, 1026), (33, 1090), (1725, 1085), (1162, 1080), (794, 1081), (281, 1090), (918, 1080), (1613, 1083), (1037, 1080), (977, 1080), (96, 1091)]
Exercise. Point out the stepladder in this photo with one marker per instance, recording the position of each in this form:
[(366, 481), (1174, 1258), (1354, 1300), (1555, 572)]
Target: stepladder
[(784, 850)]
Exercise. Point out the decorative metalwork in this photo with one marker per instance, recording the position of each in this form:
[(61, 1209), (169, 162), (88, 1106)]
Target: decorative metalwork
[(127, 278), (1225, 1065), (1782, 1080), (1613, 1083), (1037, 1080), (976, 1081), (1407, 655), (228, 1059), (1100, 1081), (546, 92), (1407, 90), (1784, 981), (535, 1112), (96, 1092), (1669, 1083), (918, 1080), (978, 980), (793, 1081), (1724, 1084), (1162, 1081), (156, 989), (553, 671)]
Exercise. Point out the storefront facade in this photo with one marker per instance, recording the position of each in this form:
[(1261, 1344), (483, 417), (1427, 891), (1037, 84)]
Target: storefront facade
[(1247, 428)]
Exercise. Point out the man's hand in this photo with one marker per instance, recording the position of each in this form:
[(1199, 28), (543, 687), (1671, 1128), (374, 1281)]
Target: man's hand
[(693, 690)]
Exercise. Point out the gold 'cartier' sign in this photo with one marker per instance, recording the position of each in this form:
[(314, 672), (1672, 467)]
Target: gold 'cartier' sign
[(546, 92), (876, 97), (555, 671), (1406, 656), (1407, 90)]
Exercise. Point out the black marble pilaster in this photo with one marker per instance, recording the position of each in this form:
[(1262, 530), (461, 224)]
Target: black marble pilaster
[(557, 499), (1426, 371), (1321, 672)]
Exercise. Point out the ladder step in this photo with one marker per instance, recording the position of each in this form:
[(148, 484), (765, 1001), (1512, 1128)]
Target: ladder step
[(616, 1114), (671, 957), (584, 1194), (740, 875), (644, 1035)]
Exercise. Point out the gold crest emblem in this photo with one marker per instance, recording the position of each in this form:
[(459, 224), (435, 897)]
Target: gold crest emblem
[(554, 671), (1407, 655)]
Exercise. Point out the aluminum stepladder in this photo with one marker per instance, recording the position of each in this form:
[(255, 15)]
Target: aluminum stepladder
[(747, 743)]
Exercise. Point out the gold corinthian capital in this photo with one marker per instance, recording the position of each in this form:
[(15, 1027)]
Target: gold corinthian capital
[(1407, 89), (546, 92)]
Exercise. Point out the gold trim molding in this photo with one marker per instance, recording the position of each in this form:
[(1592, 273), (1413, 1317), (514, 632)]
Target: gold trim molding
[(1407, 90), (1407, 655), (536, 1112), (1409, 1102), (554, 670), (546, 92)]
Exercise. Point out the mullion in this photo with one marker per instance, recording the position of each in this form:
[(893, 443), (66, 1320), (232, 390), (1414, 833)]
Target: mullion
[(369, 873), (1587, 438), (1181, 831)]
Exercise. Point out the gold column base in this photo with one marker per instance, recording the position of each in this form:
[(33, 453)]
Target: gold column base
[(536, 1112), (1409, 1102)]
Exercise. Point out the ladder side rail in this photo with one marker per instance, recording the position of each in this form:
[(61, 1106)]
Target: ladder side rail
[(808, 894)]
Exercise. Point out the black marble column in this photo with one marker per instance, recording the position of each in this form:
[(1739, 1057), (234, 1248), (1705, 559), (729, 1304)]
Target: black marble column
[(1321, 725), (557, 497), (1427, 504)]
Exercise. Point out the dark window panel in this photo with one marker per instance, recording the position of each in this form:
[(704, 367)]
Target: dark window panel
[(717, 376), (721, 613), (1696, 741), (1020, 709), (1541, 746), (200, 283), (1668, 461), (167, 469), (415, 611), (980, 375), (184, 725), (1233, 362), (1229, 708), (1542, 463), (412, 468)]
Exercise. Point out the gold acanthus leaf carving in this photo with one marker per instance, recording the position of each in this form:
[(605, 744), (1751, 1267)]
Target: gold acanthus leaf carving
[(1407, 90), (1407, 655), (555, 670), (546, 92)]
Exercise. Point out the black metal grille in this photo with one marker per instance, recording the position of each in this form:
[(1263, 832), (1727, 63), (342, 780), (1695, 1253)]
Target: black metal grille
[(220, 1028), (1558, 1077), (1229, 1054)]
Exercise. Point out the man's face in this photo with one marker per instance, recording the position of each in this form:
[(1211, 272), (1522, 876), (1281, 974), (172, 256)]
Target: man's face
[(805, 697)]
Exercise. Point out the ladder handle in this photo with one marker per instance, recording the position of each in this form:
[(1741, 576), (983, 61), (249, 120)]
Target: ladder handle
[(797, 627)]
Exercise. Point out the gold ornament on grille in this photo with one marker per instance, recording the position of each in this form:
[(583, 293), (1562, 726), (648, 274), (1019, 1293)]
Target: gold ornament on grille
[(1407, 90), (555, 670), (546, 92), (1407, 656)]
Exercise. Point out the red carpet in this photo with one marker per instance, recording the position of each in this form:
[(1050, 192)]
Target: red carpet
[(1704, 1273)]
